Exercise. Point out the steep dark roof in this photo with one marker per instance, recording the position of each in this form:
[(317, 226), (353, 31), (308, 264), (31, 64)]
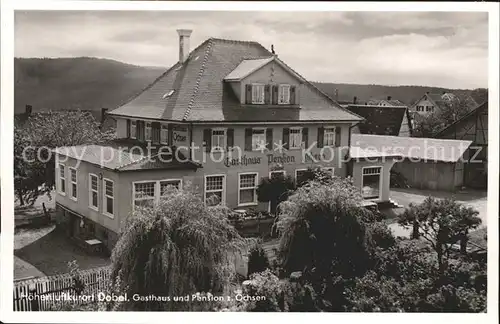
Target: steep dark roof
[(200, 94), (379, 120)]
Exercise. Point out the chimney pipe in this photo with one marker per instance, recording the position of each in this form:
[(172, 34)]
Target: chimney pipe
[(355, 100), (103, 114), (184, 35), (389, 97), (29, 109)]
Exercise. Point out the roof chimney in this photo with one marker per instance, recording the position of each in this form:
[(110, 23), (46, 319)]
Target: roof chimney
[(272, 49), (29, 109), (184, 35), (355, 100), (389, 97)]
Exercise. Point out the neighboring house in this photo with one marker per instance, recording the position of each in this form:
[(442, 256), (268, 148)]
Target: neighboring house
[(431, 103), (472, 127), (382, 120), (223, 117), (386, 102), (426, 163)]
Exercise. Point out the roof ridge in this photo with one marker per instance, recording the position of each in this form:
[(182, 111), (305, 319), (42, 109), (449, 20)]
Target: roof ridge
[(208, 51), (227, 40)]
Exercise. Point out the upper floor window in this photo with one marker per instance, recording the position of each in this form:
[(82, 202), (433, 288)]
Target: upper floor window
[(62, 180), (329, 136), (284, 94), (93, 191), (258, 93), (73, 178), (258, 138), (429, 108), (148, 131), (218, 139), (133, 129), (295, 138), (164, 134)]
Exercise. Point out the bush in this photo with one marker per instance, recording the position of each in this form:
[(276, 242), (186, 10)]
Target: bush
[(257, 260)]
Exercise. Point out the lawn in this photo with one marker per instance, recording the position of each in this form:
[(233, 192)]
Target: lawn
[(47, 251)]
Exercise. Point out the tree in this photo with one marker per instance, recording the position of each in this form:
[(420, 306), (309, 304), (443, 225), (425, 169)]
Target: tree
[(257, 260), (176, 248), (323, 228), (34, 139), (274, 189), (441, 222), (453, 107)]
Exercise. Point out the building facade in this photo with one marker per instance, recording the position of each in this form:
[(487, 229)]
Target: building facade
[(226, 115)]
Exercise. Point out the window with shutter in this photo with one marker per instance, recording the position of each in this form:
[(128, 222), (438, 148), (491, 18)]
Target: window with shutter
[(207, 139), (284, 94), (295, 138), (321, 132), (293, 95), (305, 136), (337, 136), (248, 139), (286, 138), (258, 93)]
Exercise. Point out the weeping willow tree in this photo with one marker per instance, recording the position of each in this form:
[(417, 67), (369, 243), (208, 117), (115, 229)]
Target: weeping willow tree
[(176, 248), (323, 227)]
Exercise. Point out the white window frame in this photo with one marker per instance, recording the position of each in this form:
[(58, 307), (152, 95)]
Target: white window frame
[(329, 131), (96, 208), (380, 181), (133, 128), (264, 134), (75, 183), (155, 197), (290, 147), (256, 184), (164, 134), (296, 171), (105, 196), (223, 200), (254, 99), (277, 171), (63, 178), (148, 131), (165, 180), (286, 94), (217, 148)]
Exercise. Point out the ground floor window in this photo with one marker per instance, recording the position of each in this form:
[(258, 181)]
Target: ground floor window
[(215, 190), (330, 170), (371, 182), (300, 176), (166, 185), (109, 197), (73, 178), (144, 194), (277, 173), (247, 186)]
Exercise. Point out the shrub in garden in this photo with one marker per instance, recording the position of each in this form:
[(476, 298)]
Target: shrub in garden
[(257, 259)]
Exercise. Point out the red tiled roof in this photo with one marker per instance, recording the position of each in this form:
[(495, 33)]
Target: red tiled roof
[(426, 149), (200, 93)]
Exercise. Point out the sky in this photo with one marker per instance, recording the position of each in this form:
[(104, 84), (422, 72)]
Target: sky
[(443, 49)]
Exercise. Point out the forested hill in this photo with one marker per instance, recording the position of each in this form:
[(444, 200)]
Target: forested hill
[(91, 84), (77, 83)]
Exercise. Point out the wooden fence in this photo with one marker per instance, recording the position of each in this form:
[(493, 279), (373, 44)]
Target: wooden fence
[(43, 293)]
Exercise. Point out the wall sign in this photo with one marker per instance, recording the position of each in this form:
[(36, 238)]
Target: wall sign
[(269, 159), (180, 136)]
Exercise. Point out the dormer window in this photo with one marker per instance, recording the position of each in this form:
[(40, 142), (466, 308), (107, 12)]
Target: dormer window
[(258, 93), (284, 94)]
